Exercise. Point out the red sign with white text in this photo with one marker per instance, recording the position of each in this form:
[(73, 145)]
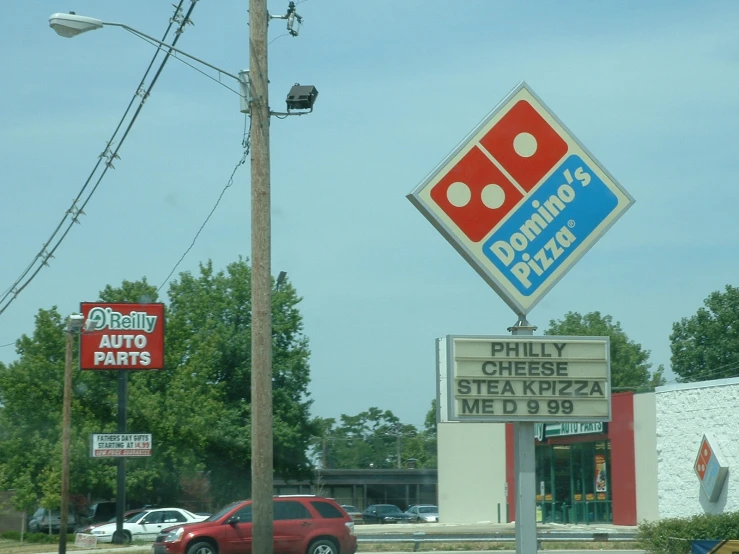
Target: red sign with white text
[(122, 336)]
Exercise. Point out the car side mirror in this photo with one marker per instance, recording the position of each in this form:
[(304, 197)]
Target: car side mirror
[(233, 520)]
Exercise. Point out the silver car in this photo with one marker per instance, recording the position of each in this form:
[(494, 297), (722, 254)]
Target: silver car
[(424, 513), (45, 521)]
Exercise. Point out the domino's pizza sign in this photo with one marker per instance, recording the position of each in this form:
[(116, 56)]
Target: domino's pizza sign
[(521, 199), (710, 468)]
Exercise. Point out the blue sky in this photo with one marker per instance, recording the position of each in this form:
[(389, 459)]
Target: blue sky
[(648, 88)]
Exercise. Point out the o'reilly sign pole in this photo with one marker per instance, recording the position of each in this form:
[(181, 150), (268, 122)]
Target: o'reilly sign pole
[(122, 337)]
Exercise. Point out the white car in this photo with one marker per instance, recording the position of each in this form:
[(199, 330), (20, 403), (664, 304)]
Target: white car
[(424, 513), (146, 525)]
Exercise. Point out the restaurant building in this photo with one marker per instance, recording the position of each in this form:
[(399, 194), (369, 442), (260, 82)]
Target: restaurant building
[(667, 453), (697, 447), (585, 473)]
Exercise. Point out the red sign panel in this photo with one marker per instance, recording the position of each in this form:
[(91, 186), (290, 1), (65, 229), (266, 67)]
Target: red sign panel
[(475, 194), (704, 456), (122, 336)]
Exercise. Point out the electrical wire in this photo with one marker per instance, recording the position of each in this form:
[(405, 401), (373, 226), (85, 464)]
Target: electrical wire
[(188, 64), (246, 143), (72, 215)]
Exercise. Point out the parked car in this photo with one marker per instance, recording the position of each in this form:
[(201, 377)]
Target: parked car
[(301, 525), (146, 525), (424, 513), (100, 512), (49, 521), (355, 514), (87, 528), (385, 513)]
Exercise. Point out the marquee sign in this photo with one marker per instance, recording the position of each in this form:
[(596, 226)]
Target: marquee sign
[(521, 199), (122, 336), (524, 378)]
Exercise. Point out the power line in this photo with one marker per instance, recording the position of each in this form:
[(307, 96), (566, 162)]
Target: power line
[(105, 160), (246, 144)]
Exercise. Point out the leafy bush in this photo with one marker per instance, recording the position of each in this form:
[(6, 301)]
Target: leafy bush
[(673, 536), (34, 538)]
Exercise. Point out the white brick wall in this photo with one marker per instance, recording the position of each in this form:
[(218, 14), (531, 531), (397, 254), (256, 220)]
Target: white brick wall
[(684, 413)]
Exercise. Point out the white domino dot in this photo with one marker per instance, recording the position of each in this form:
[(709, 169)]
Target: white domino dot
[(493, 196), (458, 194), (705, 451), (525, 145)]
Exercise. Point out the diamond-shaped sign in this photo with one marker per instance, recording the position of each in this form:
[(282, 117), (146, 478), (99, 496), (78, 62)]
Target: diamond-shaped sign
[(710, 467), (521, 199)]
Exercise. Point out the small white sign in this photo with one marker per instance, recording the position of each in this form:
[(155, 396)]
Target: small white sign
[(538, 379), (112, 445), (83, 540)]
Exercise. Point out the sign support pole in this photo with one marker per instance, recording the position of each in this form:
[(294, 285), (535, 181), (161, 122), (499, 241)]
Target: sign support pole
[(524, 468), (120, 506)]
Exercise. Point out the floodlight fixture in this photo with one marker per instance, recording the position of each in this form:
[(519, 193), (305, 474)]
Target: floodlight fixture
[(301, 97)]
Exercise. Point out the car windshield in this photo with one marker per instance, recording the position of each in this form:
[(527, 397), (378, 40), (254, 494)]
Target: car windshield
[(223, 511), (428, 509), (349, 508), (388, 509), (135, 517)]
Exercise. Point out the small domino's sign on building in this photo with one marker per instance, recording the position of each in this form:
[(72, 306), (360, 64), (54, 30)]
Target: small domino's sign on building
[(710, 468), (521, 199)]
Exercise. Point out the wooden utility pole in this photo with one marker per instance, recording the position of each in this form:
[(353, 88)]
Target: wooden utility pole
[(261, 284), (66, 440)]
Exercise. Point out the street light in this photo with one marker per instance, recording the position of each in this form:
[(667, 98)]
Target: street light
[(70, 25), (254, 101), (74, 324)]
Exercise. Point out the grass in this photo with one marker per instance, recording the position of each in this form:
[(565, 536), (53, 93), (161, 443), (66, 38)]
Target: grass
[(493, 546), (8, 546)]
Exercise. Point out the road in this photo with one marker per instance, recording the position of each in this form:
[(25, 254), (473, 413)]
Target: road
[(144, 550)]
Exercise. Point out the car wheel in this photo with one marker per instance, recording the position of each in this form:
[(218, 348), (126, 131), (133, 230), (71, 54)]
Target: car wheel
[(202, 548), (123, 538), (322, 546)]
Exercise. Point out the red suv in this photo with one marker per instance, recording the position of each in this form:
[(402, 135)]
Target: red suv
[(302, 525)]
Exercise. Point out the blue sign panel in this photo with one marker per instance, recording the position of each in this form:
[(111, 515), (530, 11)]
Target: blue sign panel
[(546, 229)]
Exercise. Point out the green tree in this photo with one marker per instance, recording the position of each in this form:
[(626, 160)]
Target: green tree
[(706, 345), (373, 439), (366, 440), (206, 401), (197, 408), (630, 366), (30, 422), (423, 446)]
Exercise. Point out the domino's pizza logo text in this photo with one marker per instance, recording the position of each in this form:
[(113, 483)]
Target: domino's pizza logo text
[(545, 230)]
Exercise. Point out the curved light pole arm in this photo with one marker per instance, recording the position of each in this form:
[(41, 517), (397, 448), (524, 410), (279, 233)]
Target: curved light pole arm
[(70, 25), (169, 46)]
